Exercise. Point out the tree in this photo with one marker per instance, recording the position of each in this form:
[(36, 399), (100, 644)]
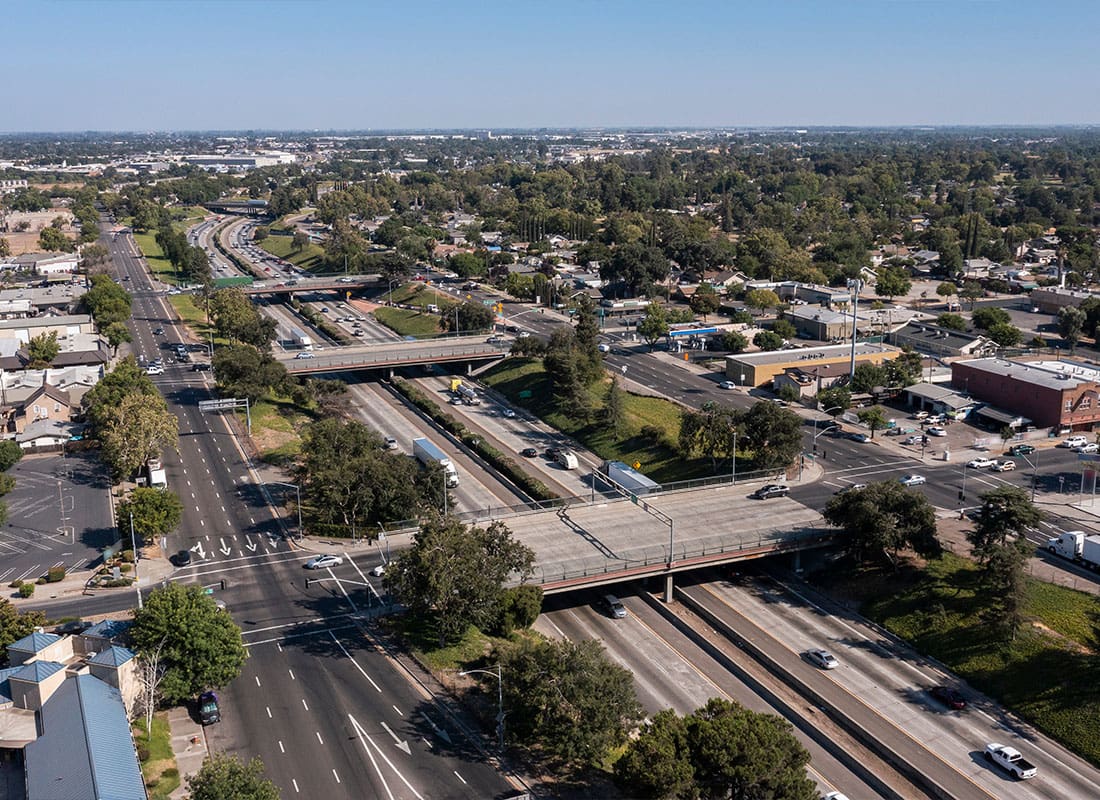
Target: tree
[(1003, 586), (243, 371), (835, 400), (564, 365), (299, 242), (768, 340), (10, 453), (42, 350), (892, 282), (1071, 325), (15, 624), (199, 644), (784, 328), (238, 320), (1005, 334), (971, 292), (455, 574), (882, 519), (467, 265), (710, 431), (873, 417), (155, 512), (106, 301), (761, 299), (568, 697), (5, 247), (586, 336), (636, 265), (773, 434), (127, 378), (868, 376), (905, 370), (947, 290), (614, 410), (658, 763), (150, 675), (654, 325), (53, 240), (705, 300), (1006, 514), (954, 322), (116, 334), (223, 776), (138, 429), (985, 318), (734, 342), (471, 317)]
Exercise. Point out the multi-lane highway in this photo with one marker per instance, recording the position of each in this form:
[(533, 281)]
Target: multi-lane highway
[(320, 701)]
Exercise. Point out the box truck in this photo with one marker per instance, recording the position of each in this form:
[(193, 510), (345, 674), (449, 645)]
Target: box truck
[(427, 453)]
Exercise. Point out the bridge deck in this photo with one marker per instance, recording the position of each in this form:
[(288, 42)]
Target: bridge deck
[(588, 544)]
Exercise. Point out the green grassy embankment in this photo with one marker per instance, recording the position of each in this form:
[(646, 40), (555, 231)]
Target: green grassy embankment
[(408, 322), (309, 258), (158, 764)]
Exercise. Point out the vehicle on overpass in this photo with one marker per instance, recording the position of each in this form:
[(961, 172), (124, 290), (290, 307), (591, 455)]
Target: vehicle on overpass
[(626, 478)]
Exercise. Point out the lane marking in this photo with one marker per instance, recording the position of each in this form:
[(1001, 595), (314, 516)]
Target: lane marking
[(305, 704), (353, 661)]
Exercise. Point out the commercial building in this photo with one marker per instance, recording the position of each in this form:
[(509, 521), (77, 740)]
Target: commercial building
[(65, 326), (937, 341), (1056, 394), (819, 323), (760, 369), (1052, 299)]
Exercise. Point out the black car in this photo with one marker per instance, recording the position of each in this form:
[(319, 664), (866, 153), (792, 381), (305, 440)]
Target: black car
[(1021, 450), (158, 332), (182, 558), (771, 490), (529, 452), (551, 453), (200, 366), (209, 712), (951, 698)]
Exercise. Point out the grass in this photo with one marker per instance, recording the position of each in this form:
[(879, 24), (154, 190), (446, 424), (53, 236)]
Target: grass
[(159, 765), (407, 322), (1047, 674), (310, 257), (276, 429), (417, 294), (162, 268), (652, 423)]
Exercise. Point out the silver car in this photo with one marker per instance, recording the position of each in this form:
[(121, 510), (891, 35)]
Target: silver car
[(822, 658)]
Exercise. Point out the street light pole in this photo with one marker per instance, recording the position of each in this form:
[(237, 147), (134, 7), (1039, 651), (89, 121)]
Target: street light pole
[(499, 672), (297, 503), (133, 543)]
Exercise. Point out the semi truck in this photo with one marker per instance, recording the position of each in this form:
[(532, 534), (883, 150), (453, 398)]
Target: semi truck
[(627, 478), (300, 339), (465, 393), (427, 453), (1077, 546)]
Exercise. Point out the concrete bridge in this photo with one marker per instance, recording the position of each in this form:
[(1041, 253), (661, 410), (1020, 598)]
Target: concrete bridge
[(391, 355)]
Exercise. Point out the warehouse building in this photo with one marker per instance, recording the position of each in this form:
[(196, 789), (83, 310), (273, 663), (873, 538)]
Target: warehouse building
[(761, 368)]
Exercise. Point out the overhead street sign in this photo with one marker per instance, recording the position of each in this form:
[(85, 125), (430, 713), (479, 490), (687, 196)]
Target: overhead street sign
[(220, 405)]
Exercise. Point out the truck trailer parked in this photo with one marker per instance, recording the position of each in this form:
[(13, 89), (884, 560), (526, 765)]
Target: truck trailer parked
[(1078, 546), (427, 453), (627, 478)]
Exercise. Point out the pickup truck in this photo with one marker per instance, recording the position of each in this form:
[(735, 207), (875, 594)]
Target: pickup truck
[(1010, 760)]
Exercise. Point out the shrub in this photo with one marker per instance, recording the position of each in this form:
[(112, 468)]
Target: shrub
[(16, 583), (55, 574), (125, 567), (116, 583), (26, 590), (143, 752), (127, 555), (41, 581), (170, 774)]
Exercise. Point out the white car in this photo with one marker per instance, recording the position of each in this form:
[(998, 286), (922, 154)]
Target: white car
[(921, 415), (835, 796), (508, 413), (604, 348), (379, 571), (727, 385), (1004, 466), (912, 440), (154, 369), (937, 432), (913, 480), (300, 356), (981, 463), (1091, 447), (822, 658), (320, 562), (1074, 442)]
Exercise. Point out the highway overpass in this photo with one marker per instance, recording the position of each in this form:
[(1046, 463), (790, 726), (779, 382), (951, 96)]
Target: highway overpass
[(333, 284), (391, 355)]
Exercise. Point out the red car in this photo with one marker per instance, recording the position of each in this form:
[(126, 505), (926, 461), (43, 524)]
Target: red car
[(951, 698)]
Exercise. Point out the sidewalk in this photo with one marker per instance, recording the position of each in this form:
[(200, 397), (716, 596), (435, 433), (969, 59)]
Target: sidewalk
[(188, 746)]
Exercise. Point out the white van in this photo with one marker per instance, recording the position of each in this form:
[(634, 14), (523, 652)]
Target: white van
[(567, 459), (432, 308)]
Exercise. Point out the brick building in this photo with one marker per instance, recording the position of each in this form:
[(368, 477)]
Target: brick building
[(1052, 394)]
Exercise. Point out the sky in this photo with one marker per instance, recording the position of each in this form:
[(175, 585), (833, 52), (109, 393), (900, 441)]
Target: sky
[(144, 65)]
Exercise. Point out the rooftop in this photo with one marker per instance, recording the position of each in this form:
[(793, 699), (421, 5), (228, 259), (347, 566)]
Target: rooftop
[(1062, 374), (811, 353)]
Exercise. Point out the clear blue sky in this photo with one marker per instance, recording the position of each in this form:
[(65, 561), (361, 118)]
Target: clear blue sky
[(304, 64)]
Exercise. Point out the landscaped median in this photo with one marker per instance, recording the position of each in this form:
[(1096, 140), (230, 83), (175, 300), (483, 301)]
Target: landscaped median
[(535, 488)]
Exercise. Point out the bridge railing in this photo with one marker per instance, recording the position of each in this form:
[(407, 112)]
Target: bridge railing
[(692, 548)]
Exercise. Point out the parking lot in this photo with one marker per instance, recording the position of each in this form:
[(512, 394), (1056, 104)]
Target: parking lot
[(58, 515)]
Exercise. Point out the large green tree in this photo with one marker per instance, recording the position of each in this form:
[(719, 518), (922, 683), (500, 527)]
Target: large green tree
[(455, 574), (567, 697), (53, 240), (243, 371), (882, 519), (15, 624), (200, 645), (892, 282), (654, 325), (773, 435), (1006, 514), (711, 431), (42, 350), (139, 428), (469, 317), (238, 320), (224, 776), (101, 401), (155, 512), (1071, 325)]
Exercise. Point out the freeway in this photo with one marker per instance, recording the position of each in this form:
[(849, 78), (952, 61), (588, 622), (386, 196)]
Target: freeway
[(319, 698)]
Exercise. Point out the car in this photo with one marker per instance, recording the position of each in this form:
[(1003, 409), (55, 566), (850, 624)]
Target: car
[(935, 419), (508, 413), (771, 490), (379, 571), (1074, 442), (324, 310), (529, 452), (358, 332), (913, 440), (391, 443), (952, 698), (345, 280), (154, 369), (851, 487), (209, 711), (913, 480), (301, 356), (859, 437), (822, 658), (455, 401), (1091, 447), (182, 558), (1004, 466), (937, 432), (200, 366), (613, 606), (158, 331), (603, 348), (321, 562), (920, 415), (523, 334), (551, 453), (835, 796), (1021, 450), (494, 339), (981, 462), (727, 385), (470, 285)]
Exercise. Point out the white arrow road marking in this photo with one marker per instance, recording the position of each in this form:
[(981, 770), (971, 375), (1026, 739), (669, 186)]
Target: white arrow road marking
[(400, 744), (225, 549), (442, 734), (366, 739), (251, 545), (198, 549)]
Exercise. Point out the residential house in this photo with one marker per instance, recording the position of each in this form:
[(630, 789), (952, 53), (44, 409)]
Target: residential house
[(47, 402)]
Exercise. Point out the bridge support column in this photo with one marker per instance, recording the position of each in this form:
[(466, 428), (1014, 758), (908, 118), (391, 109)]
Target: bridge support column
[(668, 588), (469, 368), (796, 557), (389, 373)]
